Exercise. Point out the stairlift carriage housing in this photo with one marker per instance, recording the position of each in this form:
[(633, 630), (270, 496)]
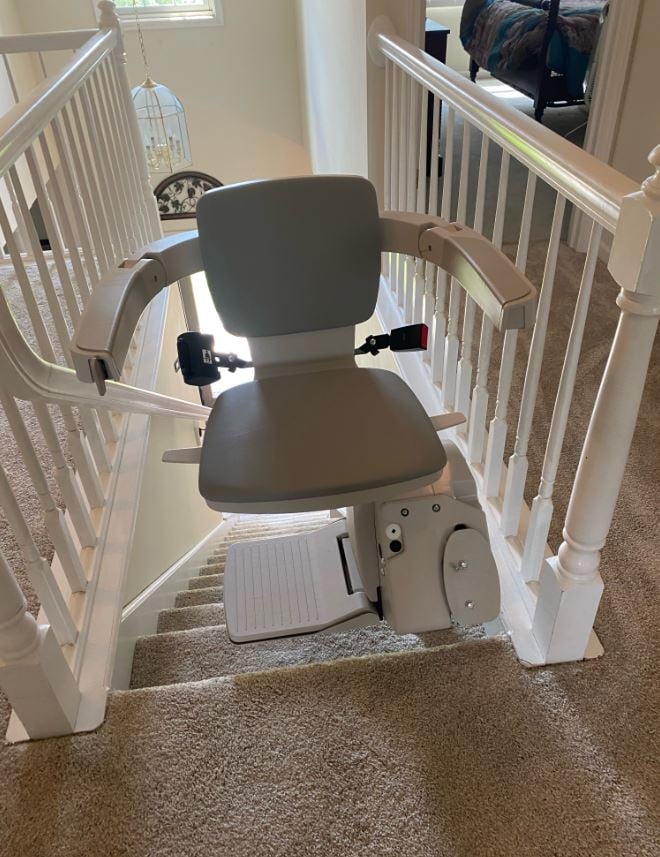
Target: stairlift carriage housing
[(294, 265)]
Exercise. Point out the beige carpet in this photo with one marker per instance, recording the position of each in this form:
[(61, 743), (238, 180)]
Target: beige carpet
[(446, 750)]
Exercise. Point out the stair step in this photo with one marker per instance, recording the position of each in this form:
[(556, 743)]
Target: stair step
[(192, 597), (206, 581), (203, 653), (185, 618), (212, 567)]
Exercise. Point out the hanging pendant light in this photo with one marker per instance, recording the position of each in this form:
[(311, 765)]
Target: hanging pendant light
[(161, 119)]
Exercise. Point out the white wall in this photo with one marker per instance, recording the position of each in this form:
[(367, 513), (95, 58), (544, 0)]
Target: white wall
[(450, 16), (169, 491), (239, 83), (332, 51), (639, 121)]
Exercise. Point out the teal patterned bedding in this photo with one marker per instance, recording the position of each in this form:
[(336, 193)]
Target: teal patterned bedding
[(503, 36)]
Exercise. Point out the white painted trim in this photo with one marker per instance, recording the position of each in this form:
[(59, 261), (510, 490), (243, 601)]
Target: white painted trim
[(154, 17), (92, 657), (518, 598), (614, 67), (140, 617)]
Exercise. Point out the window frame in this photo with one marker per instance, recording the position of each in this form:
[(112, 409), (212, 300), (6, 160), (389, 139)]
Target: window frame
[(211, 14)]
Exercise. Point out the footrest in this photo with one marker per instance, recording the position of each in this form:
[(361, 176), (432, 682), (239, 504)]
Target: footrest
[(292, 585)]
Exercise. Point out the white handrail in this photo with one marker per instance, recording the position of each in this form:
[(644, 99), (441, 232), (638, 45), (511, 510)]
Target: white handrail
[(21, 125), (60, 40), (591, 185), (26, 376)]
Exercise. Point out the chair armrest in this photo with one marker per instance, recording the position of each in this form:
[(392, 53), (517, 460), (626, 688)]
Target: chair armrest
[(487, 275), (107, 324)]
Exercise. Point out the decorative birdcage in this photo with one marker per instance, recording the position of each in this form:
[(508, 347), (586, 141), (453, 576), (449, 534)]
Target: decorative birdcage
[(162, 122)]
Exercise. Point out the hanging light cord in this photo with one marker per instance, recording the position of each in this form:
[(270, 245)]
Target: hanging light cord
[(141, 38)]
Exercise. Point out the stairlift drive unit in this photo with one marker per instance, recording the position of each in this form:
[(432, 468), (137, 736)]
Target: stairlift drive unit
[(294, 265)]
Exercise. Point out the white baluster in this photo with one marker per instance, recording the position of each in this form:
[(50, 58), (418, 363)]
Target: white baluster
[(518, 463), (34, 675), (413, 127), (404, 106), (93, 211), (52, 226), (86, 416), (455, 292), (74, 192), (90, 135), (420, 206), (542, 508), (387, 158), (124, 132), (66, 482), (105, 163), (498, 427), (38, 570), (394, 178), (431, 270), (571, 586), (53, 517), (464, 372), (130, 191), (109, 19)]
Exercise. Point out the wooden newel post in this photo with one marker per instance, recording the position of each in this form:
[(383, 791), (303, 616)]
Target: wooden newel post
[(571, 587), (109, 20), (34, 674)]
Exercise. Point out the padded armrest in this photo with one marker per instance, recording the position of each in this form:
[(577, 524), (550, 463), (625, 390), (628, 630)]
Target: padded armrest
[(493, 281), (108, 322)]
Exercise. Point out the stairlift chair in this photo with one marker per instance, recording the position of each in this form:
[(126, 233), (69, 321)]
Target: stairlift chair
[(294, 265)]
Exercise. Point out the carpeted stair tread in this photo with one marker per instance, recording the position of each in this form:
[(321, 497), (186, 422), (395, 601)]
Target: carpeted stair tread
[(205, 581), (212, 568), (204, 653), (208, 595), (185, 618)]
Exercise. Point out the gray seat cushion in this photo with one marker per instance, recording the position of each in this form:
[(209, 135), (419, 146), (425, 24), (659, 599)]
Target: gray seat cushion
[(317, 440)]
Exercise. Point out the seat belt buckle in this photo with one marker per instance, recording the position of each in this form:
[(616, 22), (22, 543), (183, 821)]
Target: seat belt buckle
[(412, 337)]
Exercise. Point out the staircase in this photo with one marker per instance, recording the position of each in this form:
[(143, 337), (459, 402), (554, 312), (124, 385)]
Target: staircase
[(192, 642)]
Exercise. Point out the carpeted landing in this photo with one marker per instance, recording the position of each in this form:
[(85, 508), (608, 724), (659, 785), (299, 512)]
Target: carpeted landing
[(365, 743)]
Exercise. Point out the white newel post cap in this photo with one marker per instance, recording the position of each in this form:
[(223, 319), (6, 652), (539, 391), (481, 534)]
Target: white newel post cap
[(635, 257), (108, 17)]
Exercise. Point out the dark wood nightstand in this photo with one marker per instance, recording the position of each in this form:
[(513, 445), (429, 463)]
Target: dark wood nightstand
[(435, 43)]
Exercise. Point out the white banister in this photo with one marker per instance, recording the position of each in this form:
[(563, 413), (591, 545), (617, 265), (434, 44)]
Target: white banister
[(34, 675), (21, 125), (550, 619), (596, 188), (571, 586)]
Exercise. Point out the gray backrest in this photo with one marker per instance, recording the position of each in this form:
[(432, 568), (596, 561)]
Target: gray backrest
[(291, 255)]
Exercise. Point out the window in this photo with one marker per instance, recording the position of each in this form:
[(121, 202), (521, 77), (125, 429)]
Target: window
[(170, 11)]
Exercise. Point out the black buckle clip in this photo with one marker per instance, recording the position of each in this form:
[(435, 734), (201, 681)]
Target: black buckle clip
[(199, 364), (412, 337)]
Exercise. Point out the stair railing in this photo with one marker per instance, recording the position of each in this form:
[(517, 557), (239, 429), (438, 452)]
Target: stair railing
[(549, 602), (75, 200)]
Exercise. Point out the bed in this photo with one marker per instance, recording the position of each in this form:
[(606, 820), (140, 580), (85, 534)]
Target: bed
[(540, 47)]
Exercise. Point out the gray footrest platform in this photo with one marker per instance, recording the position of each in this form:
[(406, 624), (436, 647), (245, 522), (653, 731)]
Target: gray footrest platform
[(292, 585)]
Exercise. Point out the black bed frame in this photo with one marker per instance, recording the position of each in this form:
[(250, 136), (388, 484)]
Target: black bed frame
[(544, 88)]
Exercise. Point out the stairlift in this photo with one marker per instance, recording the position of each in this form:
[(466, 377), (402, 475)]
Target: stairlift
[(294, 265)]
